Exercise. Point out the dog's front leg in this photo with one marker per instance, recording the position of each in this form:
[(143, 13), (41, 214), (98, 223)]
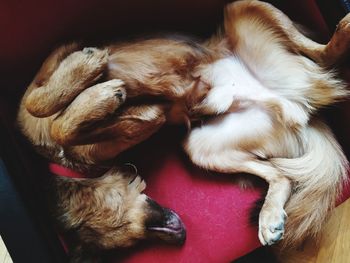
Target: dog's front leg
[(73, 74), (78, 123), (100, 140)]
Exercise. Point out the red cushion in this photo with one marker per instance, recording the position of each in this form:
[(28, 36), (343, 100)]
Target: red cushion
[(215, 210)]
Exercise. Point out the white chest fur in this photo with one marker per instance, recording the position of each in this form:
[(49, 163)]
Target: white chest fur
[(231, 80), (234, 83)]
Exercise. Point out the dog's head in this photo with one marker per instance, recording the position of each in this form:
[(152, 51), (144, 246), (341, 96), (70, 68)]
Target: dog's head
[(112, 212)]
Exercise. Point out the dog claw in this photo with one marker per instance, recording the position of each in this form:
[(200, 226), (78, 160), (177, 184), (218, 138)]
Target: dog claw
[(89, 50), (270, 232), (277, 228), (276, 239), (121, 95)]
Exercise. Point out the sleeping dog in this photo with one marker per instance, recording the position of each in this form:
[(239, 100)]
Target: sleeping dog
[(256, 88)]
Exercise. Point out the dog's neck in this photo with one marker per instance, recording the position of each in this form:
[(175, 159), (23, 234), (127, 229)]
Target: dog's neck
[(60, 170)]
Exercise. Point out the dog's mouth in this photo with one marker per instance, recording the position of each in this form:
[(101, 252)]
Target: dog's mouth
[(165, 224)]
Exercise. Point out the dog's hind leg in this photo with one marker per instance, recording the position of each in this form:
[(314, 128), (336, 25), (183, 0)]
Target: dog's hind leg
[(74, 73), (326, 55), (272, 215), (339, 45)]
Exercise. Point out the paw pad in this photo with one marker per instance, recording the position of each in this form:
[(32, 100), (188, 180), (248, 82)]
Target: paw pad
[(271, 227)]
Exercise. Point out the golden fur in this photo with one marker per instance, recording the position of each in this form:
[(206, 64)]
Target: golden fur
[(86, 106)]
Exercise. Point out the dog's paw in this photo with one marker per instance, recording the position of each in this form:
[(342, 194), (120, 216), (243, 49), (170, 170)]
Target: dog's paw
[(113, 91), (219, 100), (137, 183), (293, 115), (89, 50), (89, 58), (99, 101), (271, 225), (344, 24), (343, 30), (106, 97), (118, 88), (85, 66)]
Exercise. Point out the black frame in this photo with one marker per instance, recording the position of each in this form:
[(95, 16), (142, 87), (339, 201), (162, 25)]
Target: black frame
[(25, 226)]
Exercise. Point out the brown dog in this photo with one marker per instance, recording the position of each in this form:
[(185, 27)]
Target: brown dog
[(262, 77)]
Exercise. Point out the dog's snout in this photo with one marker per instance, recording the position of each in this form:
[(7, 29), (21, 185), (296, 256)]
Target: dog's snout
[(165, 224)]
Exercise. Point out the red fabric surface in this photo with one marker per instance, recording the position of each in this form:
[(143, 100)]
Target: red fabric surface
[(215, 211)]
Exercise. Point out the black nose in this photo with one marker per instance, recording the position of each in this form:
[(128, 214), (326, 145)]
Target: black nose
[(165, 224)]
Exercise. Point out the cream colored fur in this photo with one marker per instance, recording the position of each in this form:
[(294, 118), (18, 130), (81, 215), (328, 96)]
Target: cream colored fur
[(266, 97)]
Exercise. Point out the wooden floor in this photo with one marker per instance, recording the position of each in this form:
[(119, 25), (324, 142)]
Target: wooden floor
[(4, 255), (334, 246)]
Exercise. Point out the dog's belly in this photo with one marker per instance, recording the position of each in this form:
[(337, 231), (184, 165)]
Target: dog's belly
[(232, 82), (245, 129), (249, 111), (232, 72), (236, 92)]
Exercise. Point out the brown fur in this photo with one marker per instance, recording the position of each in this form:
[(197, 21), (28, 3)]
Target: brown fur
[(81, 124), (105, 213)]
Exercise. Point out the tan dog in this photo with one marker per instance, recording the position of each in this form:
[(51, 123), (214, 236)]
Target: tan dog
[(262, 77)]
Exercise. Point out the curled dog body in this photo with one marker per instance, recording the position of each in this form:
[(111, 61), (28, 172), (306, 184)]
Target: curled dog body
[(260, 81)]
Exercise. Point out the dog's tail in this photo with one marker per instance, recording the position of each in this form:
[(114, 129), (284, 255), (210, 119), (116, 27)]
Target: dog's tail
[(318, 176)]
